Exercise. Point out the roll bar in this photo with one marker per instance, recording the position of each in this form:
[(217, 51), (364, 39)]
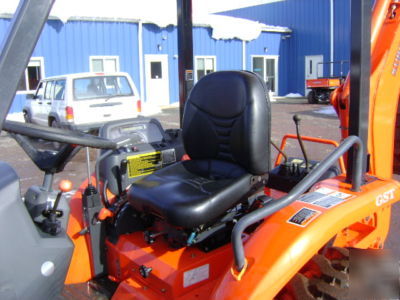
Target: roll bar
[(23, 33), (273, 206)]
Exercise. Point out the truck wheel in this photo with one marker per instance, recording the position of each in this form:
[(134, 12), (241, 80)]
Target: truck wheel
[(312, 99), (54, 123), (324, 277), (27, 117)]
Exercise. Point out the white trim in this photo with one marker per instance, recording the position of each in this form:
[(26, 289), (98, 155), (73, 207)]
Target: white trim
[(332, 16), (276, 57), (103, 57), (317, 69), (244, 55), (165, 74), (203, 56), (141, 63)]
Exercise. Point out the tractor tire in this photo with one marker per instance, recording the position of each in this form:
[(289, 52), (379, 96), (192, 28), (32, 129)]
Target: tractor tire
[(312, 97), (331, 283)]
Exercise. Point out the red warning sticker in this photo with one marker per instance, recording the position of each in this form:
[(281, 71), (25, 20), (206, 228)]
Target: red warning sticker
[(303, 217)]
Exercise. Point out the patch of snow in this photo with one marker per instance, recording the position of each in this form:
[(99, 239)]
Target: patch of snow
[(329, 110), (149, 109), (19, 117), (174, 104), (293, 95), (225, 27)]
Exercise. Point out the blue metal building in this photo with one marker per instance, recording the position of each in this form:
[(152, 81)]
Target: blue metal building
[(144, 50), (308, 33), (320, 33)]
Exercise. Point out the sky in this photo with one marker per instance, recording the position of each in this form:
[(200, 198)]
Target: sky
[(206, 6), (213, 6)]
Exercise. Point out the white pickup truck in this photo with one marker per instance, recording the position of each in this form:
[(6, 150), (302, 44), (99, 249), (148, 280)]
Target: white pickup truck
[(83, 101)]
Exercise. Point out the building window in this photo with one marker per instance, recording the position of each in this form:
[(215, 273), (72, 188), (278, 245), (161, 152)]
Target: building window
[(32, 75), (267, 67), (104, 64), (155, 70), (204, 65)]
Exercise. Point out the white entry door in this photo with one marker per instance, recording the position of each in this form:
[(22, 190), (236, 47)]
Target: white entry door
[(157, 82), (314, 68)]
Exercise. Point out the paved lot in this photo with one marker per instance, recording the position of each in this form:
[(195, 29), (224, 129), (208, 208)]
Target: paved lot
[(315, 122)]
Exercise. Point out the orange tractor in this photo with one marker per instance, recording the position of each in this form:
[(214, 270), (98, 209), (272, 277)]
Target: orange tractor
[(198, 213)]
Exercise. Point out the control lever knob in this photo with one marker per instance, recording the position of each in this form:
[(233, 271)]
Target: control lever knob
[(296, 119), (65, 186), (124, 166)]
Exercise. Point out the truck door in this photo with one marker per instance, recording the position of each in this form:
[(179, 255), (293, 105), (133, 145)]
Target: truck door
[(36, 103), (46, 103)]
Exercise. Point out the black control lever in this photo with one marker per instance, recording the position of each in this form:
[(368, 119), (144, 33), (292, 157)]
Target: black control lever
[(297, 120), (50, 224), (124, 166)]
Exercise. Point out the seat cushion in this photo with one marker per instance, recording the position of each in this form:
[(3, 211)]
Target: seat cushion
[(191, 193)]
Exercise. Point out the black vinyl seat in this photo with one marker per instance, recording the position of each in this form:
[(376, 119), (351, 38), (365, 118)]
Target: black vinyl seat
[(226, 133)]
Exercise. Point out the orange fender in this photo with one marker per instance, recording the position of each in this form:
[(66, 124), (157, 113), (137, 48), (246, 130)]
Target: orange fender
[(278, 249)]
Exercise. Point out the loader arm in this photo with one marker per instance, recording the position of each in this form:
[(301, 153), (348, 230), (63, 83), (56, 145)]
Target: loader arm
[(384, 89)]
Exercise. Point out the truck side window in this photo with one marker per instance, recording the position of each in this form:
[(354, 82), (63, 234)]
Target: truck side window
[(48, 90), (59, 90)]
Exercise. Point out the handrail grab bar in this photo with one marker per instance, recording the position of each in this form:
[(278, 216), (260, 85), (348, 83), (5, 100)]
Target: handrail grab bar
[(295, 193)]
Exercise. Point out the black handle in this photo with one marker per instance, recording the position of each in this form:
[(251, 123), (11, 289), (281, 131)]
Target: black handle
[(296, 192)]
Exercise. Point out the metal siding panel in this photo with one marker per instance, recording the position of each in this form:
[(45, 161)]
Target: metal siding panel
[(66, 47), (342, 32), (228, 52), (4, 23), (303, 17)]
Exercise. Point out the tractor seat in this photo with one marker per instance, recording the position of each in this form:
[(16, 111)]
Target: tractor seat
[(226, 133)]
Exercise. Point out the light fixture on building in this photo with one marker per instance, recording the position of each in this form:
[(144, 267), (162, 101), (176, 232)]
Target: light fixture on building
[(265, 49), (286, 36), (159, 47)]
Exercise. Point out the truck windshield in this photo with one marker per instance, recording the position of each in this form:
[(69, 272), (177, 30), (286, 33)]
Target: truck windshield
[(101, 87)]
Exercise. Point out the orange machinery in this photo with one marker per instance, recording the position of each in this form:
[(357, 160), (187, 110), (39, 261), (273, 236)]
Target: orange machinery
[(267, 265), (322, 87)]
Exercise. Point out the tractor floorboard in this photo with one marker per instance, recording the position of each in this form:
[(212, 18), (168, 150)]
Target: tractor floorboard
[(82, 291)]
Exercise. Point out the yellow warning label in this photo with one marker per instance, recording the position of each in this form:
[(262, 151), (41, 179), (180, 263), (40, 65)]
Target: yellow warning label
[(143, 164)]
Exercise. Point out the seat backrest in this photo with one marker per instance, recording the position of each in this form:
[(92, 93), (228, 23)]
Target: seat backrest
[(227, 117)]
